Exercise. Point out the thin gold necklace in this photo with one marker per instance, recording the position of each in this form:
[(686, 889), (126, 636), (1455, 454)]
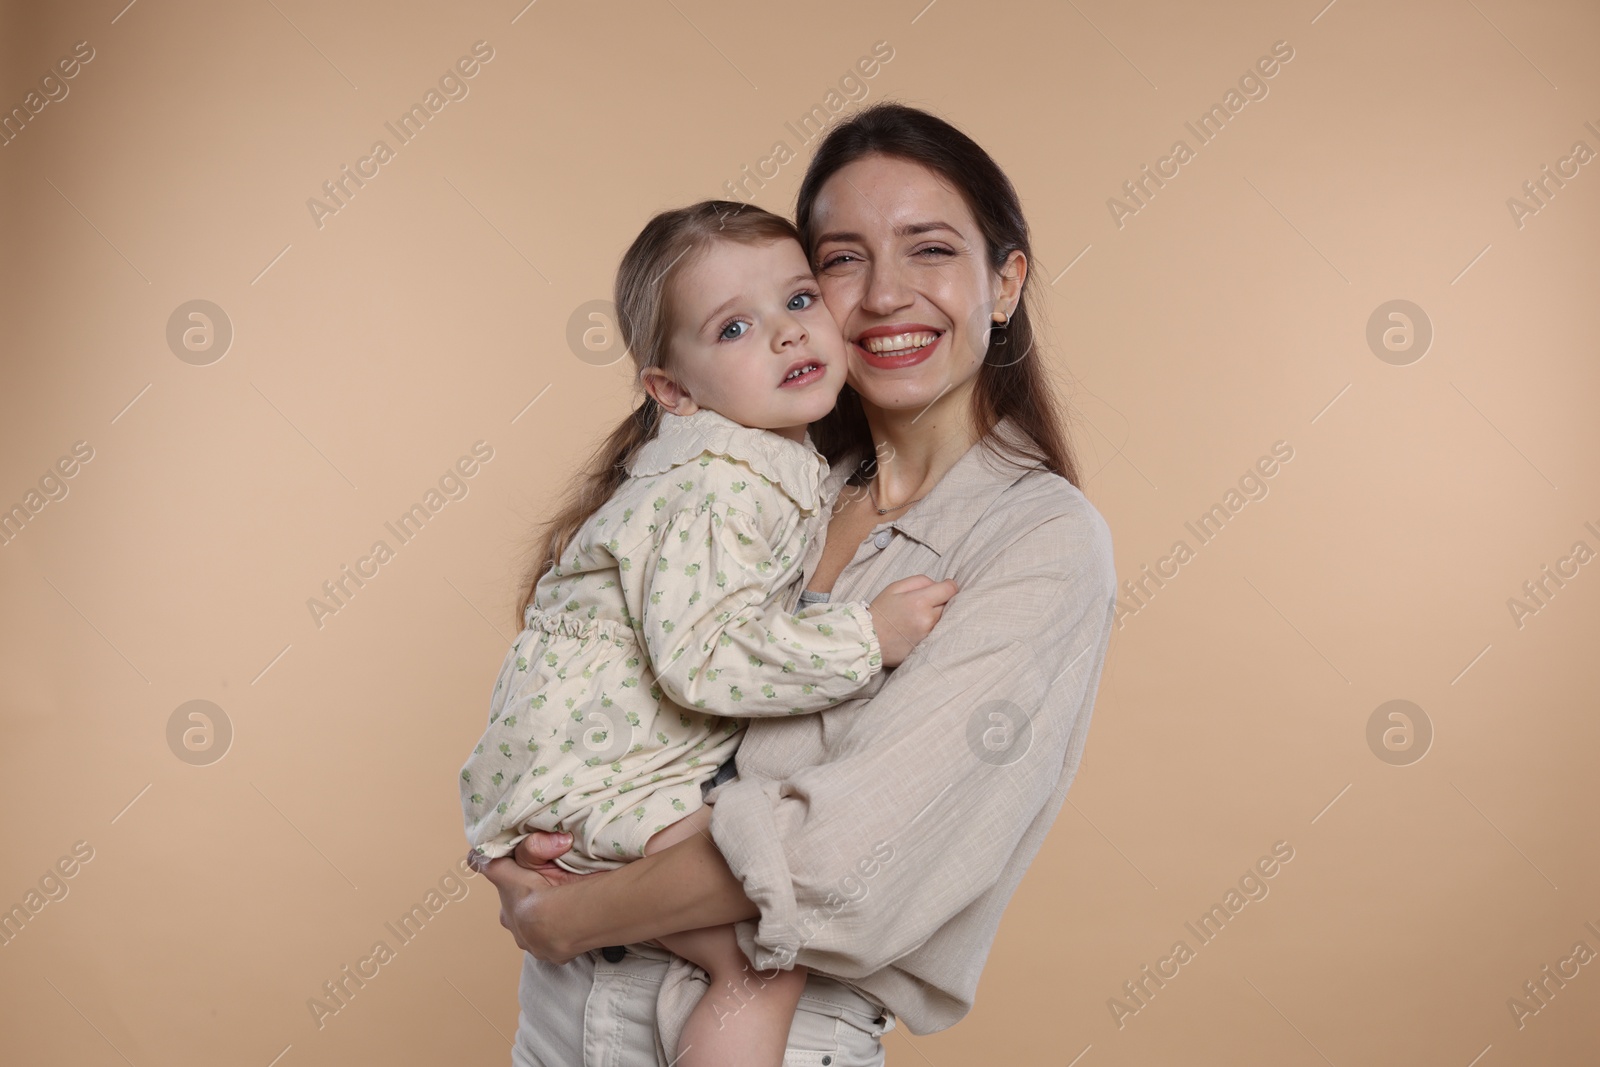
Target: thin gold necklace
[(885, 511)]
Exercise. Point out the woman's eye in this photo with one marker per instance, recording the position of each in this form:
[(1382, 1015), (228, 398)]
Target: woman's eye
[(936, 250), (733, 331), (801, 301), (836, 259)]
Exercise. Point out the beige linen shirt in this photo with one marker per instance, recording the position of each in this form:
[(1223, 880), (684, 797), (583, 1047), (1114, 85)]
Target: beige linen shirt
[(882, 838)]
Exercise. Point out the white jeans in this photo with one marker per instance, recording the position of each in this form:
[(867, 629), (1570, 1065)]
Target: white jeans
[(594, 1013)]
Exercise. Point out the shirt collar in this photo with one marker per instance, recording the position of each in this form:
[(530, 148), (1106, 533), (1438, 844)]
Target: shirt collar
[(794, 466), (953, 506)]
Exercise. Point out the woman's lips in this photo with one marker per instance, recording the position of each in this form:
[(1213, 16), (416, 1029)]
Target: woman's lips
[(898, 358)]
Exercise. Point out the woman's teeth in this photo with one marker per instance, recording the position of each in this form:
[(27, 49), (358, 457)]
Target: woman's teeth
[(899, 343)]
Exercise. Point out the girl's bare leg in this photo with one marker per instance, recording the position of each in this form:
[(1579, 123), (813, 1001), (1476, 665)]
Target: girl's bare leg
[(744, 1018)]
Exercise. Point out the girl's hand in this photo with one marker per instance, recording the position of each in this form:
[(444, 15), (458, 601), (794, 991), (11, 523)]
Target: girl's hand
[(905, 612)]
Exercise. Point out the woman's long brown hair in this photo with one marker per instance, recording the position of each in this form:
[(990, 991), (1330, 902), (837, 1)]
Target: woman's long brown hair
[(669, 243), (1008, 386)]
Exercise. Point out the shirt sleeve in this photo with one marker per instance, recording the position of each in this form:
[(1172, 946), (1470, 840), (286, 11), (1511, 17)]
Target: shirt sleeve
[(856, 861), (717, 645)]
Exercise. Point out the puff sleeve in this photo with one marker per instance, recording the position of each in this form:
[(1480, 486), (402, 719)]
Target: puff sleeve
[(714, 642)]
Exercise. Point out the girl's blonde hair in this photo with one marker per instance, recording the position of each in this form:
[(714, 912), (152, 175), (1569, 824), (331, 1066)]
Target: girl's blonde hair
[(669, 243)]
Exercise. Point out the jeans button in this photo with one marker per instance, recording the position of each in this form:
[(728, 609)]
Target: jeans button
[(613, 953), (826, 1060)]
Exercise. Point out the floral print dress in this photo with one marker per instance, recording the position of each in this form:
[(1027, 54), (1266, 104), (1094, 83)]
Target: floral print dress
[(663, 626)]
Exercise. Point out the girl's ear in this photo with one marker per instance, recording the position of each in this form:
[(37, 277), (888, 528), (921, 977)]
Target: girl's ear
[(666, 392)]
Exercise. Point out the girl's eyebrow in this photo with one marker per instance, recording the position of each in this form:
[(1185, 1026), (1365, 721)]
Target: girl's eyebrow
[(803, 276), (910, 229), (720, 309)]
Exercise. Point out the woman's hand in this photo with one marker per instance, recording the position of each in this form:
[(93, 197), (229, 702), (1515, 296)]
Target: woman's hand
[(525, 881), (684, 887)]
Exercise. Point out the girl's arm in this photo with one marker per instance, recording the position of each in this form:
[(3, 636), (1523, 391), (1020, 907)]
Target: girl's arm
[(716, 646)]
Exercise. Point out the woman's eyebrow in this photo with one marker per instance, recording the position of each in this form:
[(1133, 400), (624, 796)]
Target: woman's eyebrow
[(910, 229)]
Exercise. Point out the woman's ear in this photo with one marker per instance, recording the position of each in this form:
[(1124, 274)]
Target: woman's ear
[(1013, 272), (667, 392)]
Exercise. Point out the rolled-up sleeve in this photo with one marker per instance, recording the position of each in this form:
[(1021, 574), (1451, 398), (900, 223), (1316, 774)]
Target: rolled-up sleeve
[(858, 860)]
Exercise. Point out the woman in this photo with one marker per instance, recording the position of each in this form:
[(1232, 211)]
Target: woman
[(877, 842)]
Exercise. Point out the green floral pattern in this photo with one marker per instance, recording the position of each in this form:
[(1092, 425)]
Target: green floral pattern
[(663, 627)]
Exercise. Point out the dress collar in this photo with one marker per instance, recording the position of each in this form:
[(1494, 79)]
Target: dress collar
[(795, 467), (950, 510)]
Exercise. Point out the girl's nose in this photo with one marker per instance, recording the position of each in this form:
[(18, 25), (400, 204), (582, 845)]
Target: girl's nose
[(790, 330)]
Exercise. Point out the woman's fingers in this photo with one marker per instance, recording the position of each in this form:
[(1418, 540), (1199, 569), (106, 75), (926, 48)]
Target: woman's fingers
[(496, 871), (515, 886), (521, 910), (538, 849)]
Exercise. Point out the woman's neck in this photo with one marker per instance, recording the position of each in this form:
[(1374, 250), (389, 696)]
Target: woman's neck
[(917, 447)]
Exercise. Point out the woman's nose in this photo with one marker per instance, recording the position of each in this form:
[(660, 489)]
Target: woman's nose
[(887, 290)]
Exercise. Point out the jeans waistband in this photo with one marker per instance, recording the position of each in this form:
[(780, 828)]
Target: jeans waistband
[(820, 988)]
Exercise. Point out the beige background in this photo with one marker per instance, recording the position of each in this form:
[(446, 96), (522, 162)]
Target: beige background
[(1228, 314)]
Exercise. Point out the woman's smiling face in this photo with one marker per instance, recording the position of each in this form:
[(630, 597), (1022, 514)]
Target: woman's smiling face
[(904, 270)]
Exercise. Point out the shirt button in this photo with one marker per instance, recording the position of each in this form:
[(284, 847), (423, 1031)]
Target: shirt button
[(881, 538)]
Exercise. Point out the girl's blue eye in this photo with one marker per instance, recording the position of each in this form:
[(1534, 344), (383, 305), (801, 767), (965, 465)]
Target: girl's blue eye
[(808, 297), (726, 336)]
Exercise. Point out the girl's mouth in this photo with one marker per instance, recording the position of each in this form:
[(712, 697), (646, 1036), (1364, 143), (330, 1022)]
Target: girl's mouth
[(802, 375)]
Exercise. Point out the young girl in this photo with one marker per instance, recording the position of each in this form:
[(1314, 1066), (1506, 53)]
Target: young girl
[(664, 606)]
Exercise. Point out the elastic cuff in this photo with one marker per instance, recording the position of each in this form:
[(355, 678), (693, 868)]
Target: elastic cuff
[(874, 653)]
